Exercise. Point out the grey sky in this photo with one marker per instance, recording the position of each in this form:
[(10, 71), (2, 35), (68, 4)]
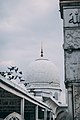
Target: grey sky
[(23, 25)]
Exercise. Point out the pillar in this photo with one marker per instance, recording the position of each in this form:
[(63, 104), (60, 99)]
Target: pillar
[(36, 113), (45, 114), (22, 107), (70, 108), (50, 115)]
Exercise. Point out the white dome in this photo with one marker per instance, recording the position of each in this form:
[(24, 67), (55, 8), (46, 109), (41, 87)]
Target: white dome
[(42, 71)]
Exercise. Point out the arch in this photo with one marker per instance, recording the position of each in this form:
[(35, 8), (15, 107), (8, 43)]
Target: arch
[(63, 114), (14, 116)]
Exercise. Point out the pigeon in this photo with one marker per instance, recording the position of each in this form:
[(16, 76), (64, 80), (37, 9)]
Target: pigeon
[(26, 84), (20, 72), (21, 80), (12, 68), (3, 74), (20, 77), (16, 70), (16, 77), (9, 73), (12, 77)]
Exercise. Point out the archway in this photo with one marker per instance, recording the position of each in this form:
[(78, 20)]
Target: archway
[(14, 116)]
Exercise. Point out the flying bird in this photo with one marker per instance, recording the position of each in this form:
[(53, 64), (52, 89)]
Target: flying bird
[(3, 74), (16, 70), (20, 77), (9, 73), (26, 84), (11, 68), (20, 72), (21, 80), (16, 77), (12, 77)]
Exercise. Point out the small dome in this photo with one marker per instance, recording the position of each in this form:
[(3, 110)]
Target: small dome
[(42, 71)]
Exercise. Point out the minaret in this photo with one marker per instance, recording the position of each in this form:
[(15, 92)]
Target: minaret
[(70, 13)]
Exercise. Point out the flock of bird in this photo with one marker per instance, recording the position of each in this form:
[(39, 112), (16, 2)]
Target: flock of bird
[(10, 73)]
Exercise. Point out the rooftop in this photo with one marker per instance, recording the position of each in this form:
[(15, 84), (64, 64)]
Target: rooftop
[(42, 71)]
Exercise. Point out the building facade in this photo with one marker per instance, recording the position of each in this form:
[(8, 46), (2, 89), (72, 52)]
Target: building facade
[(70, 13)]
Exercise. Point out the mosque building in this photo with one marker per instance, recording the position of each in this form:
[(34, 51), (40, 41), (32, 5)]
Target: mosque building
[(41, 97)]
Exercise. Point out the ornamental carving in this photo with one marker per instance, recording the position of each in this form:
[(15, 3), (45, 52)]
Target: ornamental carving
[(72, 66), (72, 39)]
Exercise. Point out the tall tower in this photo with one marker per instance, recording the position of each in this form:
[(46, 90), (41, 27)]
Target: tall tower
[(70, 13)]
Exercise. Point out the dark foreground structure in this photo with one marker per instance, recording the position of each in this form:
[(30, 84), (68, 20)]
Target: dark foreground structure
[(17, 104)]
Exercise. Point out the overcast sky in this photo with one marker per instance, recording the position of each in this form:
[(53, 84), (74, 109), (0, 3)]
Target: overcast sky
[(23, 25)]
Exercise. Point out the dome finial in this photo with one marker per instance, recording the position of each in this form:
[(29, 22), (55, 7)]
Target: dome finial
[(41, 49)]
